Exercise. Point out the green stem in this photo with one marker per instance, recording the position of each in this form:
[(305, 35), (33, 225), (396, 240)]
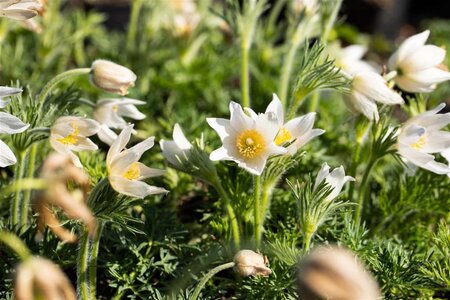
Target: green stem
[(231, 214), (208, 276), (307, 242), (257, 211), (16, 202), (245, 84), (93, 257), (286, 75), (82, 268), (353, 168), (27, 193), (314, 101), (16, 244), (57, 79), (133, 25), (326, 31), (362, 190)]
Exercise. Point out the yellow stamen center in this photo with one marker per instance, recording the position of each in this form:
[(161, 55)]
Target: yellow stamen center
[(250, 143), (283, 136), (133, 172), (115, 108), (420, 143), (72, 138)]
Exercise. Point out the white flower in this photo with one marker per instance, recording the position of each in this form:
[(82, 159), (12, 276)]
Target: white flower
[(350, 60), (336, 179), (176, 149), (420, 137), (417, 64), (125, 172), (249, 141), (112, 77), (8, 125), (308, 6), (19, 9), (70, 134), (299, 131), (110, 112), (368, 88)]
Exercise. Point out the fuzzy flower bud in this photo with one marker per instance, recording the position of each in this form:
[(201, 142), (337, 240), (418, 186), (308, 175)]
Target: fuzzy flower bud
[(39, 278), (335, 273), (112, 77), (250, 263)]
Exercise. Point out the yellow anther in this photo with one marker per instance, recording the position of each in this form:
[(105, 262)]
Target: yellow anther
[(250, 143), (72, 138), (283, 136), (420, 143), (133, 172)]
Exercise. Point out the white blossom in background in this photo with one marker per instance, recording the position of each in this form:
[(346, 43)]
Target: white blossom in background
[(367, 88), (110, 113), (186, 16), (418, 65), (126, 172), (297, 131), (349, 59), (421, 137), (70, 134), (112, 77), (173, 150), (308, 6), (19, 9), (335, 179), (247, 140), (8, 125)]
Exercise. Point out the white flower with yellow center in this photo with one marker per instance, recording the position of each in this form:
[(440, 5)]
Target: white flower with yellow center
[(368, 88), (247, 140), (70, 134), (176, 149), (125, 172), (19, 9), (420, 137), (335, 179), (297, 131), (350, 60), (418, 65), (110, 113)]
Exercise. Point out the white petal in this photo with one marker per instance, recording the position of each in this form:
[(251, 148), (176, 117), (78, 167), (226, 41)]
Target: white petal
[(436, 167), (11, 125), (221, 126), (106, 135), (436, 142), (180, 139), (133, 188), (18, 14), (276, 107), (4, 103), (119, 144), (304, 139), (412, 86), (409, 46), (7, 157), (429, 76), (414, 156), (238, 119), (86, 127), (363, 105), (355, 52), (84, 144), (220, 154), (254, 166), (147, 172), (130, 111), (301, 125), (323, 173), (251, 112), (268, 126), (143, 146), (374, 87), (6, 91), (426, 57)]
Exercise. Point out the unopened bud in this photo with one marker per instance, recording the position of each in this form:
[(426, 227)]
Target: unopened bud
[(335, 273), (112, 77), (250, 263)]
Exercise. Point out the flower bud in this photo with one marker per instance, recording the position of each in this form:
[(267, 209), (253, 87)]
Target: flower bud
[(39, 278), (250, 263), (335, 273), (112, 77)]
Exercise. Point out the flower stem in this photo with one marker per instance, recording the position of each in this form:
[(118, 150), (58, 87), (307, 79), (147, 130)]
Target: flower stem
[(286, 75), (362, 190), (307, 242), (16, 244), (82, 268), (57, 79), (16, 201), (27, 194), (352, 171), (245, 83), (133, 25), (93, 259), (257, 211), (208, 276)]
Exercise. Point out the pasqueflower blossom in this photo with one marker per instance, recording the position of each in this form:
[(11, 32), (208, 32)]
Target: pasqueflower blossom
[(8, 125), (297, 131), (70, 134), (112, 77), (247, 140), (307, 6), (250, 263), (421, 137), (350, 60), (335, 179), (110, 112), (368, 88), (418, 65), (125, 172), (176, 149), (20, 9)]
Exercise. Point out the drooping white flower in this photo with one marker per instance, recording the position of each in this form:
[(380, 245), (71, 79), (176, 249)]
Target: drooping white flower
[(299, 130), (421, 137), (5, 93), (350, 60), (112, 77), (418, 65), (176, 149), (247, 140), (336, 179), (125, 172), (368, 88), (110, 112), (70, 133), (19, 9)]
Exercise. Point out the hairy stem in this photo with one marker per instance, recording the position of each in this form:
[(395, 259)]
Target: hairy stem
[(245, 80), (307, 242), (133, 25), (27, 193), (93, 257), (16, 244), (352, 171), (208, 276), (257, 211), (16, 201), (362, 190), (82, 267)]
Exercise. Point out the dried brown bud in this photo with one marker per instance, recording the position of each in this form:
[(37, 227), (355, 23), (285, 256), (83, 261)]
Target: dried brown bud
[(112, 77), (250, 263), (39, 278), (335, 273), (58, 170)]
